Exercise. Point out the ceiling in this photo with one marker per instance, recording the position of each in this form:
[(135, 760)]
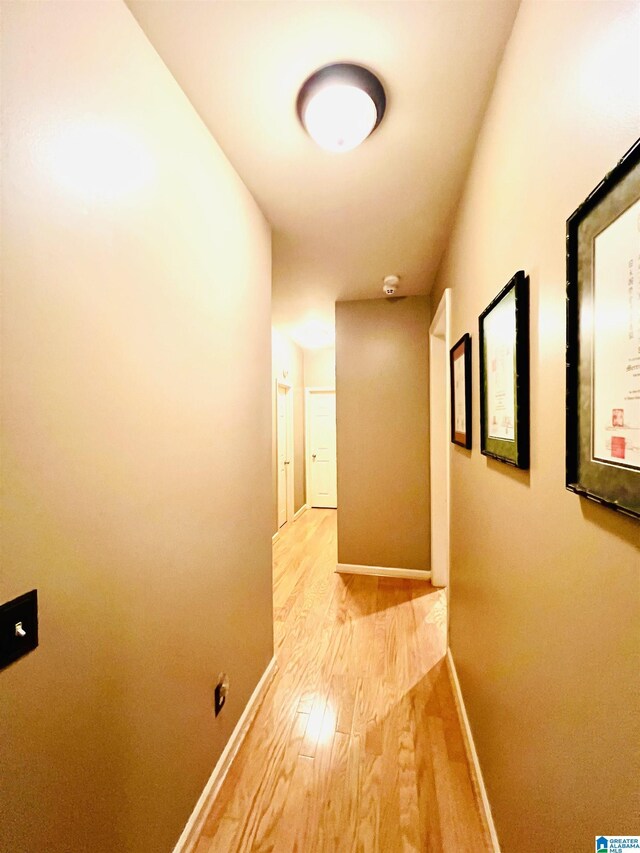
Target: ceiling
[(341, 222)]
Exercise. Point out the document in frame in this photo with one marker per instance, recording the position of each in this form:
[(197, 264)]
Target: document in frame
[(616, 342), (460, 413), (500, 342)]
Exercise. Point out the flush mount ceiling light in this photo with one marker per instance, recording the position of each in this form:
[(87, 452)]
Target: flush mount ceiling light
[(340, 105)]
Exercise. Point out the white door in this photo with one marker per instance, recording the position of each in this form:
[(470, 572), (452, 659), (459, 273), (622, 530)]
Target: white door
[(282, 440), (321, 420), (439, 344)]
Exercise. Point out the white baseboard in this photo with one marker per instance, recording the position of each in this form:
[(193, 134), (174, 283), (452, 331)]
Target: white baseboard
[(300, 511), (275, 537), (383, 572), (188, 839), (472, 755)]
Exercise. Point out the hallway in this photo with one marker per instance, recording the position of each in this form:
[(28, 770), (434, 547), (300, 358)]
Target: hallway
[(357, 744)]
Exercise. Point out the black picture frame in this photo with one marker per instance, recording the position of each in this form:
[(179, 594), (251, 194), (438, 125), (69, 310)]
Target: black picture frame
[(514, 296), (461, 350), (611, 482)]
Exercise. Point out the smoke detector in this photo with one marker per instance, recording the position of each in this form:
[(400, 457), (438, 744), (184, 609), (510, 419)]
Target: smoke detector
[(390, 284)]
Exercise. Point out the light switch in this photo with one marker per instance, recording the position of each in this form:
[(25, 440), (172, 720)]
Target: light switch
[(18, 627)]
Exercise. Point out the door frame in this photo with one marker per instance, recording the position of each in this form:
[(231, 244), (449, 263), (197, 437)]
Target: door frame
[(308, 391), (439, 451), (289, 449)]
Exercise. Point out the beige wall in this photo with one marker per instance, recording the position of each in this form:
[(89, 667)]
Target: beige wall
[(135, 436), (320, 368), (544, 585), (383, 432), (287, 365)]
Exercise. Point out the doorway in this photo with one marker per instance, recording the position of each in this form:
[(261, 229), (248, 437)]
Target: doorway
[(284, 450), (322, 485), (439, 399)]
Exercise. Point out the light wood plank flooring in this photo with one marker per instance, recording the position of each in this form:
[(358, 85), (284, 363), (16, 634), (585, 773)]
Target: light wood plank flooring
[(357, 745)]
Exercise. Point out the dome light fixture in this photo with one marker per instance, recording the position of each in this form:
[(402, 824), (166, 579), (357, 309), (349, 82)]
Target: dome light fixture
[(340, 105)]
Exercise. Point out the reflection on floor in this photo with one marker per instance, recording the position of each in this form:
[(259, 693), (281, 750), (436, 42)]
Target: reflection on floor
[(357, 744)]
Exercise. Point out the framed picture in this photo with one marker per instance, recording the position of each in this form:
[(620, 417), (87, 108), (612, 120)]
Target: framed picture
[(603, 341), (504, 374), (460, 377)]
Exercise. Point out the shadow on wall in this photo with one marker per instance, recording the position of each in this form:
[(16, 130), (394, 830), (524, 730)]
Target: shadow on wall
[(516, 474), (616, 523)]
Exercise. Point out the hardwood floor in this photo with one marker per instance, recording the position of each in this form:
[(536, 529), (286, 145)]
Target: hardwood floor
[(357, 745)]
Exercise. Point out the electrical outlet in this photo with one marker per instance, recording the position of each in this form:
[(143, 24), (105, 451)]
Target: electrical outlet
[(220, 693)]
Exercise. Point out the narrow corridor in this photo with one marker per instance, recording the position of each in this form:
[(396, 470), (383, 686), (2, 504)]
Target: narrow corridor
[(357, 744)]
